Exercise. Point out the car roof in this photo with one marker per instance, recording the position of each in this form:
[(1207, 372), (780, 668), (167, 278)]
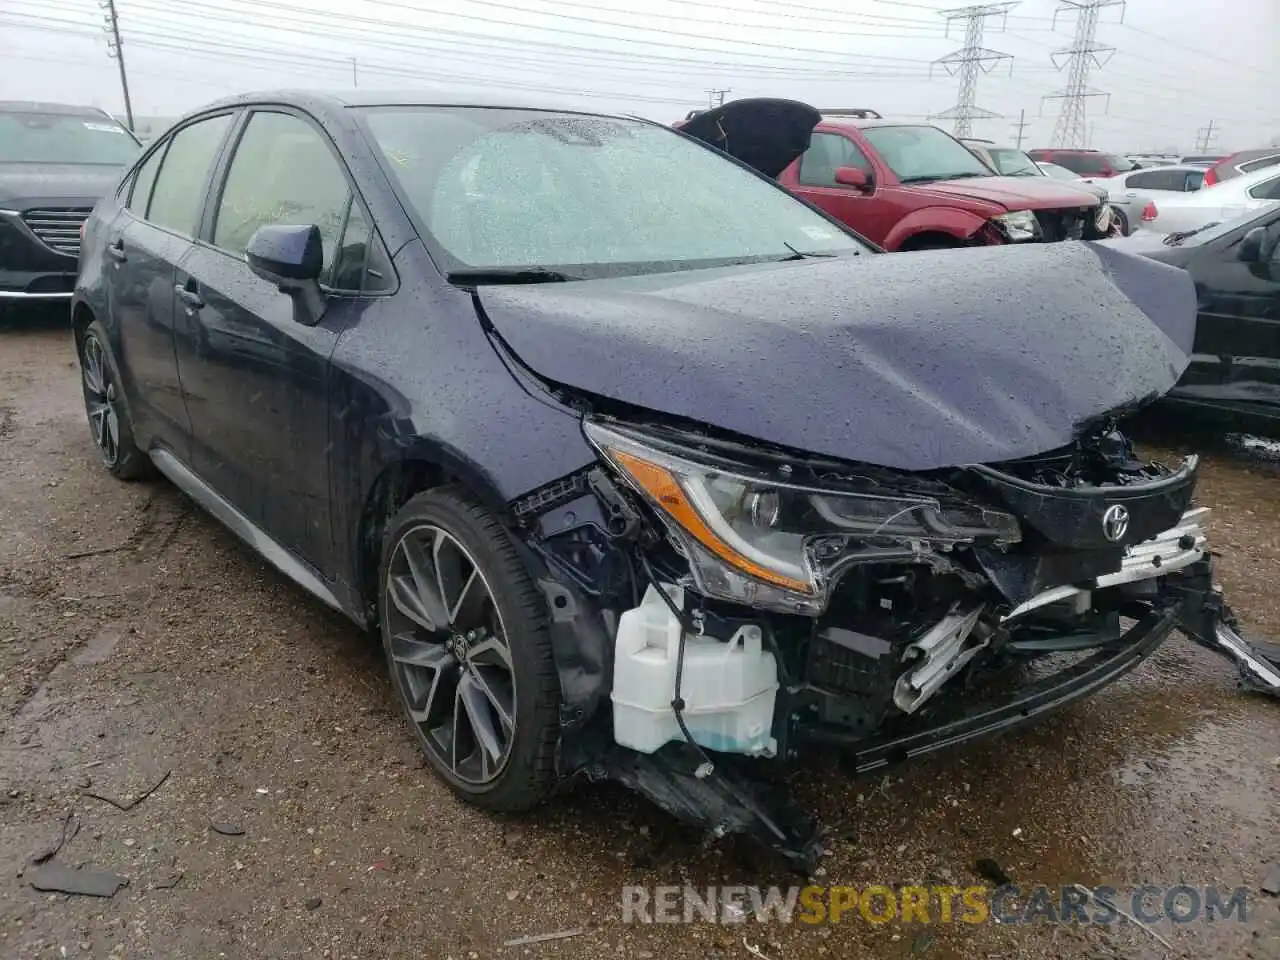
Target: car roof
[(333, 101), (37, 106), (863, 123)]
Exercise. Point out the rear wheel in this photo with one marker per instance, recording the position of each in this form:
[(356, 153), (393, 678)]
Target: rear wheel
[(465, 634), (108, 420)]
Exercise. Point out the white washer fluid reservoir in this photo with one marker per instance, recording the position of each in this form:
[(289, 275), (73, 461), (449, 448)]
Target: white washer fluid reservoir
[(728, 687)]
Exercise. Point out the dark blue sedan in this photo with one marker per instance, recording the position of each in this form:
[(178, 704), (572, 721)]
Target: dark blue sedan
[(642, 468)]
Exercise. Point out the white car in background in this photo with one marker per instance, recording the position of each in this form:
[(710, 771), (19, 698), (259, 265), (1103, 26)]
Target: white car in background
[(1132, 209), (1179, 212)]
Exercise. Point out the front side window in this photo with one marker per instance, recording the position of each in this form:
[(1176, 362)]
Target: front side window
[(143, 182), (585, 195), (283, 172), (178, 195), (826, 152), (917, 154), (60, 138)]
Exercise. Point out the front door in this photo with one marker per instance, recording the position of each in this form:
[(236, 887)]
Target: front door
[(813, 177), (1238, 328), (255, 379)]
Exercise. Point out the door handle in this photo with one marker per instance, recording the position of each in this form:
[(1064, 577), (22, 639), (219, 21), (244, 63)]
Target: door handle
[(188, 296), (116, 250)]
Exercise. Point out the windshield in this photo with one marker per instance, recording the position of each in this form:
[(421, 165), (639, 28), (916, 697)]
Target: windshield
[(60, 138), (586, 196), (919, 153), (1057, 172), (1212, 231), (1120, 164), (1013, 163)]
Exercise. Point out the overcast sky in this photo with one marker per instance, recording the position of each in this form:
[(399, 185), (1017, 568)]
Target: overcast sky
[(1177, 64)]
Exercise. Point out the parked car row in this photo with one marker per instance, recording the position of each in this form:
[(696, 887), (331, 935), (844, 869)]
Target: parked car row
[(902, 185), (642, 463)]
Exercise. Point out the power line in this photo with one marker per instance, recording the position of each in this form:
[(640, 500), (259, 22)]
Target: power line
[(1083, 54), (970, 62), (116, 49)]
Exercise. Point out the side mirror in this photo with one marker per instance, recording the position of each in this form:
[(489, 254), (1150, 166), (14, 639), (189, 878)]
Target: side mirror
[(292, 258), (1252, 245), (852, 177)]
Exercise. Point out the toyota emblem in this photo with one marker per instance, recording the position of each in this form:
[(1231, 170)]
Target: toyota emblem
[(1115, 522)]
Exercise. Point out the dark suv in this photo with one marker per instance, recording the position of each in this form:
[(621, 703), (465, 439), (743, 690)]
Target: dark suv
[(56, 161), (642, 468), (1086, 163)]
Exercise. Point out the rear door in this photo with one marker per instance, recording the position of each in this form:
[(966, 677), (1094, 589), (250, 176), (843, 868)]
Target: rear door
[(1238, 329), (145, 243), (256, 380), (813, 177)]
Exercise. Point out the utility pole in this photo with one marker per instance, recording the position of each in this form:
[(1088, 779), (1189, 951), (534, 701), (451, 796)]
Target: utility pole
[(1021, 125), (1079, 59), (715, 98), (355, 75), (970, 62), (1205, 137), (116, 49)]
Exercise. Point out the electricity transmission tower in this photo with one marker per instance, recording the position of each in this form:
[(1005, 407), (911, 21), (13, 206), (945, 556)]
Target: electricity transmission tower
[(1205, 137), (715, 98), (116, 49), (970, 62), (1079, 59), (1021, 125)]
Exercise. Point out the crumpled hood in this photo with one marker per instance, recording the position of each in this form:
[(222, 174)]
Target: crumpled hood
[(82, 183), (1016, 193), (914, 361)]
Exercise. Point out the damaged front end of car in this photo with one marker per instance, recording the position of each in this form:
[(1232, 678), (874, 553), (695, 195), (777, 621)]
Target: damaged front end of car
[(720, 605)]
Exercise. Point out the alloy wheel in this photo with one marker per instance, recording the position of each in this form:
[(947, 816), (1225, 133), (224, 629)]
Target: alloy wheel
[(451, 656), (100, 401)]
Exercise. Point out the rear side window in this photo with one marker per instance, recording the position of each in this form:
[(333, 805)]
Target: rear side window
[(178, 196), (1157, 180), (1267, 190), (1252, 165), (1194, 180), (1083, 163), (144, 180), (283, 172), (826, 152)]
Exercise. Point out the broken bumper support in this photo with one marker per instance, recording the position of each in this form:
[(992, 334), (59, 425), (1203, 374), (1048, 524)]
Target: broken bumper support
[(1208, 621)]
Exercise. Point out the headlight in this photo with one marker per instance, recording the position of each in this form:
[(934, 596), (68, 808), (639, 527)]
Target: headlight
[(1018, 225), (758, 540)]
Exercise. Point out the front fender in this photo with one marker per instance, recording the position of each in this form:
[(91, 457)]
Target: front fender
[(952, 221)]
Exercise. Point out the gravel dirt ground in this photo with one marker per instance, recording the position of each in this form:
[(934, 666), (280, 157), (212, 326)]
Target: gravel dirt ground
[(139, 638)]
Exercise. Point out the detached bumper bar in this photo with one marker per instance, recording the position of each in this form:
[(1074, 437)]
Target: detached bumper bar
[(1028, 703)]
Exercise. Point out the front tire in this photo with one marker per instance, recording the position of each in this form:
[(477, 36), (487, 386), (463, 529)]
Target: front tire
[(104, 407), (465, 633)]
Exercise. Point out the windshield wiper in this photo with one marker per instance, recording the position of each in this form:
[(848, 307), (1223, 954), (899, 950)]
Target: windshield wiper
[(495, 275), (802, 254), (1175, 239)]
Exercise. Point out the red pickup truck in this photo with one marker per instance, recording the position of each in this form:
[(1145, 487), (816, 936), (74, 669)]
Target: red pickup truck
[(904, 186)]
